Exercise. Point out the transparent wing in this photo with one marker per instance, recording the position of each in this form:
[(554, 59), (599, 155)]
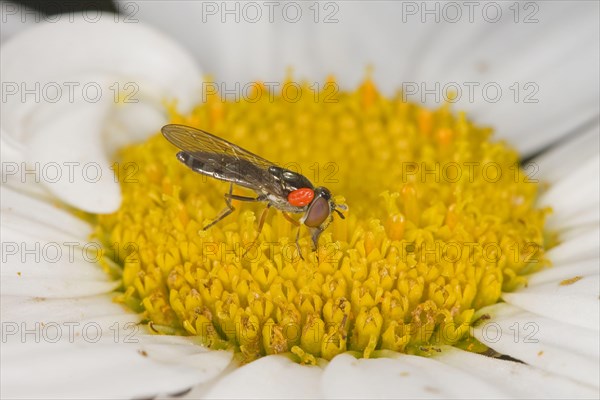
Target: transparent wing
[(193, 140), (210, 155)]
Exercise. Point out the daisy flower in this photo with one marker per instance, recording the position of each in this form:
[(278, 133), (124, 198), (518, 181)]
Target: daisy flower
[(466, 265)]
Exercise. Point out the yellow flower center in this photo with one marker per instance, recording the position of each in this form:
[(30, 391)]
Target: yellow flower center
[(441, 220)]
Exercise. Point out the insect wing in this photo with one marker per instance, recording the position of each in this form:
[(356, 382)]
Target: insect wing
[(216, 157)]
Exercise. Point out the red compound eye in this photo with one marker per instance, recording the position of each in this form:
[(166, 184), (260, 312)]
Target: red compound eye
[(301, 197)]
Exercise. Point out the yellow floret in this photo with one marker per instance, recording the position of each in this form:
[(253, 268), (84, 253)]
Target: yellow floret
[(441, 220)]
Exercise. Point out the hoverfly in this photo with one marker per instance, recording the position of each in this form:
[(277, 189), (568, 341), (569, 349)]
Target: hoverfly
[(288, 191)]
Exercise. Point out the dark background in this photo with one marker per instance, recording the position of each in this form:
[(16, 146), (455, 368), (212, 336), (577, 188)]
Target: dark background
[(58, 7)]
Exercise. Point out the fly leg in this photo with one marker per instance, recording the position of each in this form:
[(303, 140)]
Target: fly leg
[(315, 233), (295, 223), (292, 220), (261, 223), (230, 208), (298, 244)]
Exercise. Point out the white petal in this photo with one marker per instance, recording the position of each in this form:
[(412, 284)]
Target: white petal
[(583, 188), (563, 271), (401, 376), (44, 268), (580, 247), (35, 229), (557, 347), (519, 380), (51, 287), (272, 377), (67, 344), (549, 293), (67, 150), (36, 258), (577, 309), (109, 367), (50, 269), (13, 20), (100, 310), (587, 218), (518, 60), (44, 251), (517, 54), (11, 152), (63, 128), (16, 205), (560, 161), (575, 303)]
